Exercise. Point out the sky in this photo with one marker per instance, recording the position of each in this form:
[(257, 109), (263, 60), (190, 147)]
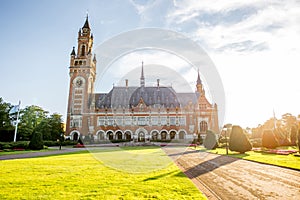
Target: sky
[(254, 45)]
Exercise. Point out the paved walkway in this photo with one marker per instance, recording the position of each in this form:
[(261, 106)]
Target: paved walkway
[(223, 177), (54, 151)]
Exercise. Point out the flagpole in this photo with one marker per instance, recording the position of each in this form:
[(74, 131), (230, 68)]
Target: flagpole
[(16, 128)]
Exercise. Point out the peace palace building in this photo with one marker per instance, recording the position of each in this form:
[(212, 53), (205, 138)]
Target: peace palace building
[(138, 113)]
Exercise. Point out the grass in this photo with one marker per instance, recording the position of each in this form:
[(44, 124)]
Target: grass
[(288, 161), (130, 173)]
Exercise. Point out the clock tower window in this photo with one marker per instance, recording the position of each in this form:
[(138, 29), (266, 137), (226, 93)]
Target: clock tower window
[(82, 50)]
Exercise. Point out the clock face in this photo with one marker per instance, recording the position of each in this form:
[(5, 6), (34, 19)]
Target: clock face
[(79, 82)]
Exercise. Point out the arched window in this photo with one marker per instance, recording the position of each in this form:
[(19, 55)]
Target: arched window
[(203, 127), (82, 50)]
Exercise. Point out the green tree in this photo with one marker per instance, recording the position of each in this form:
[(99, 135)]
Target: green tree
[(210, 141), (238, 140), (30, 118), (4, 114), (57, 128), (6, 127), (269, 140)]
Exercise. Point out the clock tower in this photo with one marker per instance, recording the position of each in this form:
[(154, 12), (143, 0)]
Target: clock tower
[(82, 78)]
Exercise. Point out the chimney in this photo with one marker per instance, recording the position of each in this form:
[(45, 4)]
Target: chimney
[(158, 83), (126, 82)]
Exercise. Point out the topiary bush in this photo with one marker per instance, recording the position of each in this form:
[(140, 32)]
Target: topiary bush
[(210, 141), (238, 140), (269, 140), (36, 142)]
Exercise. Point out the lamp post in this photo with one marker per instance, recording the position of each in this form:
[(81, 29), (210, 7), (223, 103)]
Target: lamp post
[(60, 140), (226, 146)]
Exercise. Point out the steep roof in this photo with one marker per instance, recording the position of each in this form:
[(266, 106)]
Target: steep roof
[(127, 97)]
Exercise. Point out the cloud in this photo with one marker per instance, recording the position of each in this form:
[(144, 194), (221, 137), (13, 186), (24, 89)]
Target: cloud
[(225, 25)]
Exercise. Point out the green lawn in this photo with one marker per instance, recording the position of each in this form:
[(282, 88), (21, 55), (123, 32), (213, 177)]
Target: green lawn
[(131, 173), (289, 161)]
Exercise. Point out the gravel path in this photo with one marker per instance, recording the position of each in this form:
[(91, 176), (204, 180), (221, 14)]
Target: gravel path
[(223, 177)]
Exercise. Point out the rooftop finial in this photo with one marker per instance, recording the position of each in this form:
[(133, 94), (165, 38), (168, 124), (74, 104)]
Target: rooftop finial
[(142, 79)]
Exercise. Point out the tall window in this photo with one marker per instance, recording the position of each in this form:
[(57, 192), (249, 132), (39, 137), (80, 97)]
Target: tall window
[(163, 120), (172, 120), (101, 121), (82, 50), (203, 126), (76, 121)]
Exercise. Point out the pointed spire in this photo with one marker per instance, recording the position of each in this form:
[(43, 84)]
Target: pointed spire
[(86, 24), (199, 82), (73, 52), (142, 79), (94, 59)]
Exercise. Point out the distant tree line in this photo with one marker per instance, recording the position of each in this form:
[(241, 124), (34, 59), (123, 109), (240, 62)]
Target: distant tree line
[(33, 120)]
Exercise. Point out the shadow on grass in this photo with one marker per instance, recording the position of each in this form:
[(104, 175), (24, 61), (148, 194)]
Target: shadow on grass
[(178, 174)]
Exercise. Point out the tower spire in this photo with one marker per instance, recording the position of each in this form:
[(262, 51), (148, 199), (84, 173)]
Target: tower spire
[(199, 84), (142, 79), (86, 24)]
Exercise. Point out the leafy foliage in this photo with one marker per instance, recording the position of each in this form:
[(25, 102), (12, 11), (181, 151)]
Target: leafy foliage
[(32, 119), (210, 141), (269, 140), (238, 140)]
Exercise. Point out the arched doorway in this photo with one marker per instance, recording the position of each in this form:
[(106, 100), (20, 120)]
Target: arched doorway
[(141, 136), (181, 135), (119, 135), (203, 127), (101, 135), (74, 135), (163, 135), (172, 135), (110, 135), (127, 135), (154, 135)]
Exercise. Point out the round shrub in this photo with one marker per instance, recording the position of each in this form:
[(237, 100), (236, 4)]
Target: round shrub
[(269, 140), (238, 140), (210, 141)]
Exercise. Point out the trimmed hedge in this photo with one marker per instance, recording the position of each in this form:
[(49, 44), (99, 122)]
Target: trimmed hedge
[(14, 145), (269, 140), (210, 141), (238, 140), (36, 142)]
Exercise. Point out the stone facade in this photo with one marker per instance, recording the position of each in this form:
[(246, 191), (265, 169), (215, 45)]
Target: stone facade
[(138, 113)]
